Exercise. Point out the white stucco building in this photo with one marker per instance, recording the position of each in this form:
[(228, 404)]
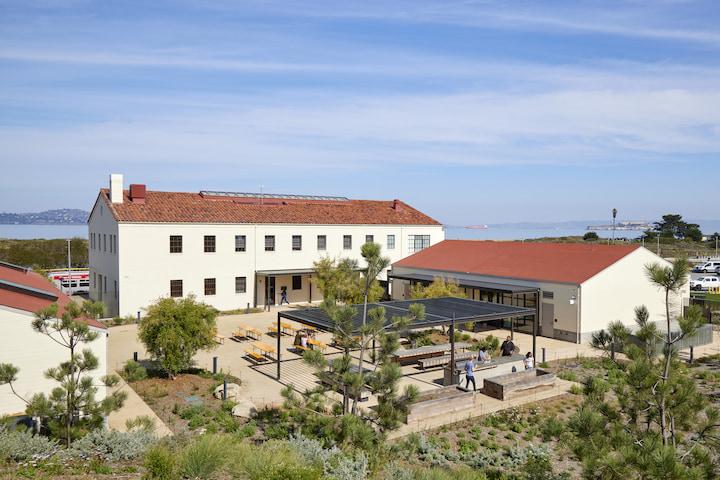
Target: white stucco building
[(22, 293), (581, 287), (232, 250)]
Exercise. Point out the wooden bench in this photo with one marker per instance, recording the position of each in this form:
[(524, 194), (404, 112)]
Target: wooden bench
[(300, 347), (220, 339), (255, 355), (412, 355), (317, 343), (432, 362)]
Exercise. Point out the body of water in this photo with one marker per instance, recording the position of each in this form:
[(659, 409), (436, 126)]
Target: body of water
[(43, 231), (492, 233)]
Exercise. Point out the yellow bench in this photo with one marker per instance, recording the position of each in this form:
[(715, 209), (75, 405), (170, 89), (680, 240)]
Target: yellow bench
[(317, 343), (255, 355)]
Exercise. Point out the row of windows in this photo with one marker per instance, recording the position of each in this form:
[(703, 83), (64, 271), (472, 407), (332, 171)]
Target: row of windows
[(101, 282), (101, 242), (209, 242), (209, 286)]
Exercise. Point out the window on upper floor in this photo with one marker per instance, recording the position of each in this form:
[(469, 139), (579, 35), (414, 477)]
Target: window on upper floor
[(116, 289), (240, 243), (104, 242), (209, 244), (209, 286), (322, 242), (297, 282), (269, 243), (418, 242), (347, 242), (391, 242), (369, 238), (297, 242), (176, 288), (240, 284), (175, 243)]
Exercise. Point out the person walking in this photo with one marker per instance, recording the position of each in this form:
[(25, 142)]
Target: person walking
[(470, 374), (283, 296), (507, 348)]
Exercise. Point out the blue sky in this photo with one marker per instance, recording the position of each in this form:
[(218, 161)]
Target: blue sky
[(475, 112)]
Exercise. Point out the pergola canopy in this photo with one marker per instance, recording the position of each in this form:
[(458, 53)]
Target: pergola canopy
[(438, 311)]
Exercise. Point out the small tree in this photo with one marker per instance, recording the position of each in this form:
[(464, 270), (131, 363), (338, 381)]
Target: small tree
[(341, 281), (439, 287), (72, 406), (174, 330), (590, 236)]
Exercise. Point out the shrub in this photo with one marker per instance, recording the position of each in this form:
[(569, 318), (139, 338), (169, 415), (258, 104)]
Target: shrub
[(576, 389), (203, 457), (133, 371), (20, 446), (273, 460), (551, 428), (142, 422), (569, 376), (110, 445), (159, 463)]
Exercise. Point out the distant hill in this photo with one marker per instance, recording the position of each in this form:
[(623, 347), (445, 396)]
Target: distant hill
[(63, 216)]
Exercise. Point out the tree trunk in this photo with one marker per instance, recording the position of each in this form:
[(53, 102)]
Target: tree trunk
[(666, 371), (356, 398)]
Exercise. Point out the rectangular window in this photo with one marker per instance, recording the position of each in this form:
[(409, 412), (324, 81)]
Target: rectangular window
[(175, 243), (391, 242), (176, 288), (347, 242), (94, 280), (240, 243), (209, 286), (321, 242), (105, 285), (104, 242), (240, 284), (269, 243), (297, 282), (369, 238), (112, 244), (115, 285), (297, 242), (547, 294), (209, 243), (418, 242)]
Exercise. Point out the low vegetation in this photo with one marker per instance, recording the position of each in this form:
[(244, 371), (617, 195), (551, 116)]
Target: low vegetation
[(42, 254)]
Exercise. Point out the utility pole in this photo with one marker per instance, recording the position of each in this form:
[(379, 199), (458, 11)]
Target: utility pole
[(614, 214), (69, 275), (658, 244)]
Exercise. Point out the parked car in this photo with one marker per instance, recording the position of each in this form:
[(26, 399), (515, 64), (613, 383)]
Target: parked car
[(704, 283), (708, 267)]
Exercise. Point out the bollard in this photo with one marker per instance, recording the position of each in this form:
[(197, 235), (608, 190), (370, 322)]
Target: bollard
[(224, 389), (543, 354), (138, 317), (215, 365), (247, 310), (135, 356), (692, 354)]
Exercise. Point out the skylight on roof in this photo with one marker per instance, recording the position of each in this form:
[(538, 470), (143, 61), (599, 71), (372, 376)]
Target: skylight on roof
[(272, 195)]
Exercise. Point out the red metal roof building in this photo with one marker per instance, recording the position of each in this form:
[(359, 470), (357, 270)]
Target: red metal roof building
[(577, 288)]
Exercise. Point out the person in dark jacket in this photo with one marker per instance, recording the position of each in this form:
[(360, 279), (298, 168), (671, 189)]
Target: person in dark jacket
[(507, 348)]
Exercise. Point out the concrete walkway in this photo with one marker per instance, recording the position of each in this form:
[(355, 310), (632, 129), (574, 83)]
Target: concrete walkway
[(133, 407)]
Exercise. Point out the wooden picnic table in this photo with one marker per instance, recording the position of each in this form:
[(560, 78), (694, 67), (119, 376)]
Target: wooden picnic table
[(248, 332), (444, 360), (317, 343), (263, 347), (288, 328)]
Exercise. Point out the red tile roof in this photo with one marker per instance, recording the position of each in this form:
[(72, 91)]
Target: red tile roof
[(552, 262), (19, 290), (182, 207)]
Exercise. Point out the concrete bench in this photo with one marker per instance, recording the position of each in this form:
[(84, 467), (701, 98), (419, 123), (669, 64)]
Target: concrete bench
[(432, 362), (511, 385)]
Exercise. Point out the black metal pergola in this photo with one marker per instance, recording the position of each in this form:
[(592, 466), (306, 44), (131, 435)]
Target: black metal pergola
[(445, 311)]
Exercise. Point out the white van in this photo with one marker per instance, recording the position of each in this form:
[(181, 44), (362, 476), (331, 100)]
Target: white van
[(709, 267)]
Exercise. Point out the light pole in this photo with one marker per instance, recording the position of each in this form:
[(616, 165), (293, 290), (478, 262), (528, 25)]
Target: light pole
[(614, 213), (69, 275)]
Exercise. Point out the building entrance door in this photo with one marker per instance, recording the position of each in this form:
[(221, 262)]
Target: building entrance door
[(270, 291), (547, 328)]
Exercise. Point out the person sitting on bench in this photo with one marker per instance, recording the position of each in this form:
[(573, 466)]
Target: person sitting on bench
[(304, 340), (483, 355)]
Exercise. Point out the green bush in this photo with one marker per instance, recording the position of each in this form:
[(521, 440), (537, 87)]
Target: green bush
[(551, 428), (204, 457), (20, 446), (159, 463), (133, 371), (142, 422), (273, 460), (576, 389), (111, 445), (567, 375)]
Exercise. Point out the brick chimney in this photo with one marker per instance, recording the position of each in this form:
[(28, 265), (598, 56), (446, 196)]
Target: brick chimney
[(137, 193), (397, 205), (116, 188)]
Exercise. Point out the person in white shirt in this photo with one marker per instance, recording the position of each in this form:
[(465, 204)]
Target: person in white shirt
[(529, 361)]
